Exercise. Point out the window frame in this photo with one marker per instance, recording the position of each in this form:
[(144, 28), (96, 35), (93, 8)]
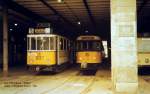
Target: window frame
[(81, 48), (29, 43)]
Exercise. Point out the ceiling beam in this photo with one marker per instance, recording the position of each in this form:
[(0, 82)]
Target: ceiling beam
[(17, 18), (22, 10), (140, 16), (56, 12), (144, 2), (89, 12)]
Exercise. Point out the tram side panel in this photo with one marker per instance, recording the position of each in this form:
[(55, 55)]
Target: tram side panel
[(63, 57), (62, 51), (143, 52)]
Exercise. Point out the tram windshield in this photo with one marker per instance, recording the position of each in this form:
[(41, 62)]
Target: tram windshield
[(89, 45), (41, 43)]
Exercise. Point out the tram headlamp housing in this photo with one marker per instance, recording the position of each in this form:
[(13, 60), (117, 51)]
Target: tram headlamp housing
[(94, 57), (59, 1), (80, 58)]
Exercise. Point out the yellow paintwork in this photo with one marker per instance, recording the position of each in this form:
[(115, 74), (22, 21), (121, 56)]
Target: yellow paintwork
[(143, 51), (143, 58), (41, 58), (63, 57), (89, 57)]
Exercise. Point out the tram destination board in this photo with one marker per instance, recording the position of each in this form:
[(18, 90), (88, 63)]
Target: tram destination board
[(40, 30)]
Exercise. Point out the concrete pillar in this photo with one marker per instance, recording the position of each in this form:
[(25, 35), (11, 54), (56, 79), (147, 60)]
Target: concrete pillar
[(124, 46), (5, 41)]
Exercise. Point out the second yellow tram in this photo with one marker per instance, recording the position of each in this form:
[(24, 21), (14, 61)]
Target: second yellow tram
[(143, 45), (90, 52)]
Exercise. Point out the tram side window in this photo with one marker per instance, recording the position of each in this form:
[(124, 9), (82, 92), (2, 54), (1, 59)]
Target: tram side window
[(84, 45), (68, 45), (33, 43), (90, 46), (28, 43), (97, 46), (52, 43), (102, 46), (65, 44), (61, 44), (79, 45), (46, 43), (39, 43)]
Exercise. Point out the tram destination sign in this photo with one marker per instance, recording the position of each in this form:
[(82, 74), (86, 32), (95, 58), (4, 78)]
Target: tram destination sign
[(88, 38), (40, 31)]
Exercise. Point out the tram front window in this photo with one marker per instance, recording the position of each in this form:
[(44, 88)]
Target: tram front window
[(33, 43), (89, 45), (42, 43)]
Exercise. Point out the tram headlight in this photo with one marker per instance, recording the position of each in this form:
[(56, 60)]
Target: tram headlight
[(80, 58), (94, 58), (31, 60)]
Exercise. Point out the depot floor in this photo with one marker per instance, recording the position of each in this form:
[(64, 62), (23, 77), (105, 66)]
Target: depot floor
[(70, 81)]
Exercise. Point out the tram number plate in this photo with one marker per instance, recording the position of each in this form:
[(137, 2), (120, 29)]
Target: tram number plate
[(147, 60), (86, 54)]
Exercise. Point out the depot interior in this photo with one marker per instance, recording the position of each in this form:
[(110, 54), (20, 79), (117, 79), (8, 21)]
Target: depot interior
[(69, 18)]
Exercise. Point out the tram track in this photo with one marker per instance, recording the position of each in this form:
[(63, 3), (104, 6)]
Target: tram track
[(87, 89), (56, 87), (53, 79), (74, 85), (66, 82)]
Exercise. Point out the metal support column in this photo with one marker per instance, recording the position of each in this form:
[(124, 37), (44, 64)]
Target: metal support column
[(5, 41)]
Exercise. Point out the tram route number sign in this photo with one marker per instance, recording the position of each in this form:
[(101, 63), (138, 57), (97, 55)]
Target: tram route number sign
[(88, 38), (39, 31)]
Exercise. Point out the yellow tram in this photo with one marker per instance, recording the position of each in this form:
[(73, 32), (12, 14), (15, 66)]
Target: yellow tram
[(90, 52), (47, 52), (143, 48)]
